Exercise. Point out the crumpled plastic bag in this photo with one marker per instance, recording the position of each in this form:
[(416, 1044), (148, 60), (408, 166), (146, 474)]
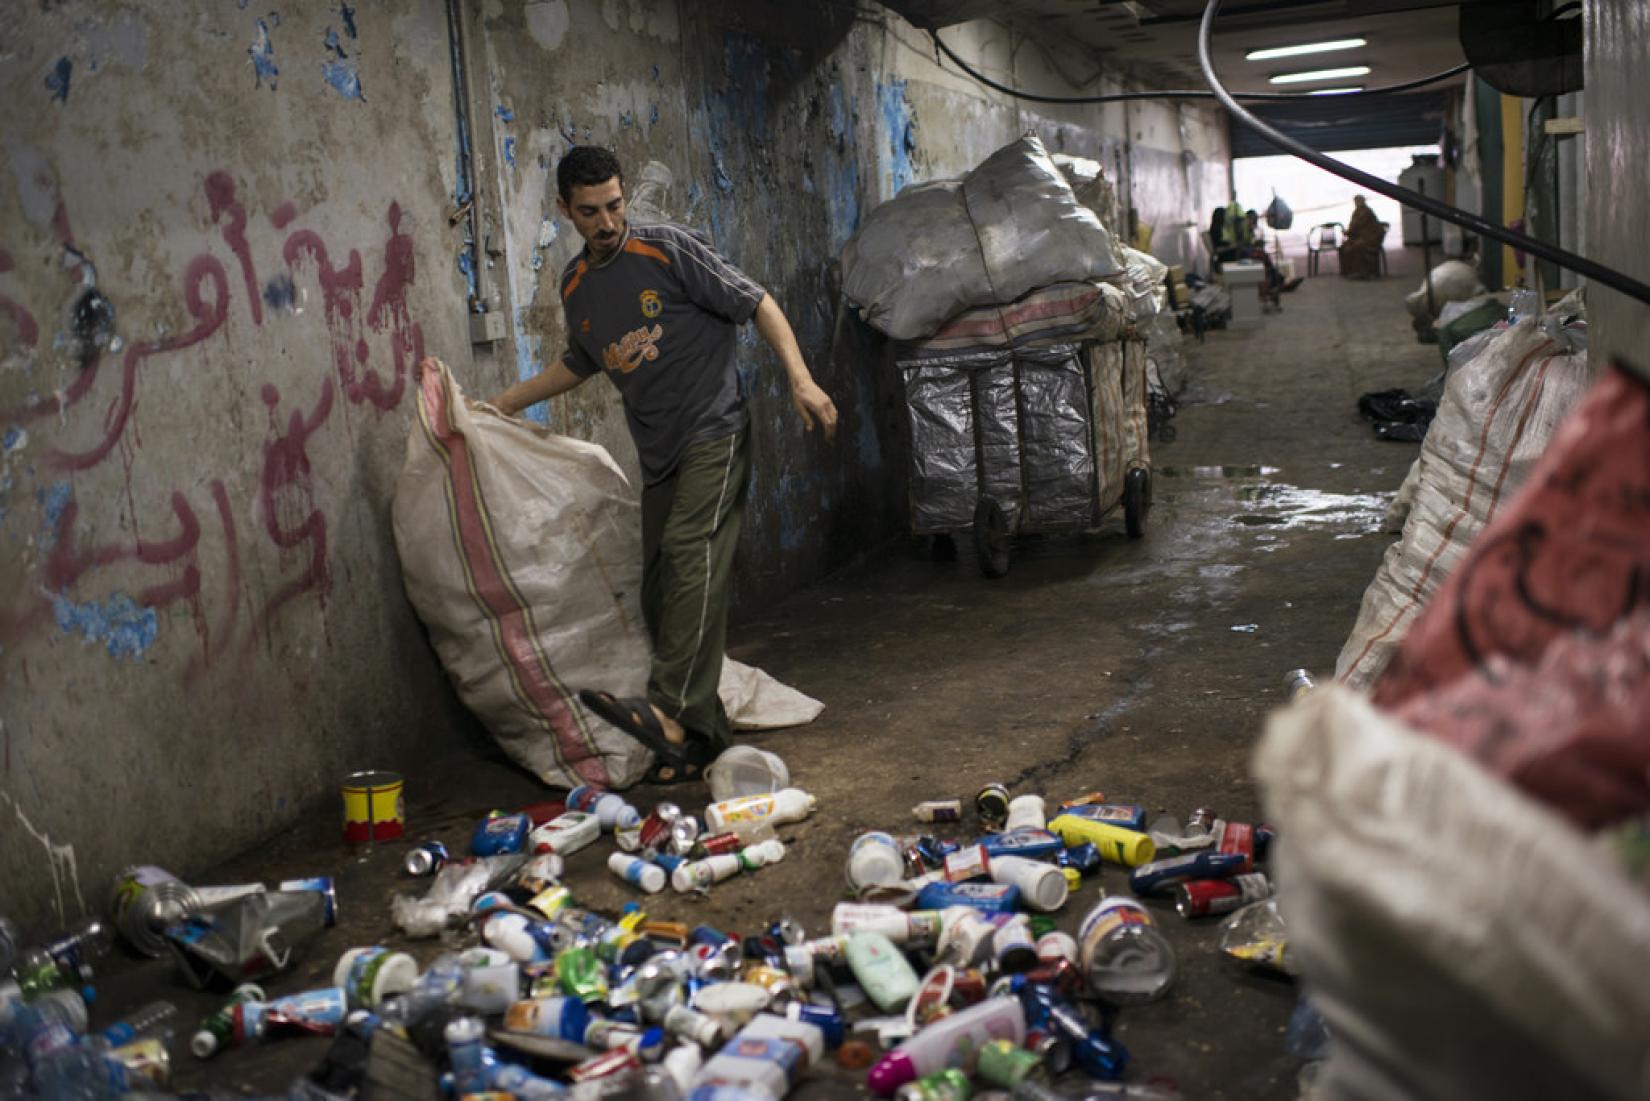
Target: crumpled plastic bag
[(450, 894)]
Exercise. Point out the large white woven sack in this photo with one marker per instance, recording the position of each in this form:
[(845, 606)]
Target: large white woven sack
[(1460, 939), (521, 552), (1497, 414)]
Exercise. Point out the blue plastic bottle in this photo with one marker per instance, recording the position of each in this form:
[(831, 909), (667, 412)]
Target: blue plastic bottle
[(500, 833)]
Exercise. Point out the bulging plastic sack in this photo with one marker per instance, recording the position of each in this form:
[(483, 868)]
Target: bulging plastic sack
[(1452, 281), (1147, 291), (520, 552), (936, 249)]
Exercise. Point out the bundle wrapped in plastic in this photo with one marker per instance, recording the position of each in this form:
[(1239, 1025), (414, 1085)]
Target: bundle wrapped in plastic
[(1061, 314), (1010, 225), (1148, 292)]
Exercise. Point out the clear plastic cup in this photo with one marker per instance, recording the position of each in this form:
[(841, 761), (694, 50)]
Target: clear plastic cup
[(746, 770)]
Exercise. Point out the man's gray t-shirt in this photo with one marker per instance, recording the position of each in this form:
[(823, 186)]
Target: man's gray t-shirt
[(659, 317)]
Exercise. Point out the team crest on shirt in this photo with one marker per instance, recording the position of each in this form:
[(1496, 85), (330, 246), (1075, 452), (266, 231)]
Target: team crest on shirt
[(651, 304)]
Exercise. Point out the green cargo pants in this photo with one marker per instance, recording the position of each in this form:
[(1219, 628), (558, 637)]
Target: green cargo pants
[(690, 529)]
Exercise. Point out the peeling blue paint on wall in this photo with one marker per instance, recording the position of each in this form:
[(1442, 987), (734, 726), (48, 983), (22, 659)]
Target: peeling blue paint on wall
[(510, 152), (334, 45), (504, 113), (125, 628), (842, 178), (900, 127), (653, 115), (343, 78), (262, 53), (58, 79), (16, 439), (347, 14), (53, 500)]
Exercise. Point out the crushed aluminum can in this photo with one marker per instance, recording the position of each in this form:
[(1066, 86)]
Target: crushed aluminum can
[(655, 830), (425, 859)]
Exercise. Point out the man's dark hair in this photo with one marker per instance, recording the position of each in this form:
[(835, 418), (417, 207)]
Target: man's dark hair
[(586, 166)]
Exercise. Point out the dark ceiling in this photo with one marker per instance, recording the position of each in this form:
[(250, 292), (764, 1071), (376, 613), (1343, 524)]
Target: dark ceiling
[(1157, 39)]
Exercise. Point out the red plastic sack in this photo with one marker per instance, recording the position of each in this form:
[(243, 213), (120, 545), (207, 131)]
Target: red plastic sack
[(1569, 557)]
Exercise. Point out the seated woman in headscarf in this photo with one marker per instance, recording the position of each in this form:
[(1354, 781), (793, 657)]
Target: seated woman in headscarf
[(1361, 253)]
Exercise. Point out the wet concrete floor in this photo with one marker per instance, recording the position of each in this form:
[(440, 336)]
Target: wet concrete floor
[(1144, 669)]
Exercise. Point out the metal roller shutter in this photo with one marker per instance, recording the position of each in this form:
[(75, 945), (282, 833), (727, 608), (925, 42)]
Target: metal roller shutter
[(1329, 123)]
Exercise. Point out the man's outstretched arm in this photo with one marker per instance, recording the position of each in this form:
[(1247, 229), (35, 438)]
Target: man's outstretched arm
[(554, 379), (812, 404)]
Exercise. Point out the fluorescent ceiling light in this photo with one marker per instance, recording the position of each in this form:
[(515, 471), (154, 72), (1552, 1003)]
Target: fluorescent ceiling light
[(1321, 74), (1346, 91), (1305, 48)]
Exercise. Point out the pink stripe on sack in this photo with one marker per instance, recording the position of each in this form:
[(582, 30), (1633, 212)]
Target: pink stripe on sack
[(530, 667)]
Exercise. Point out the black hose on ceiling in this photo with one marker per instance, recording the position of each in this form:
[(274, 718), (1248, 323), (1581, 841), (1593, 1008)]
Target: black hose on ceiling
[(1599, 273)]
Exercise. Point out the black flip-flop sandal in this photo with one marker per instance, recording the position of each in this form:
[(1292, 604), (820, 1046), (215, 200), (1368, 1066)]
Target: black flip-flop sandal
[(673, 763)]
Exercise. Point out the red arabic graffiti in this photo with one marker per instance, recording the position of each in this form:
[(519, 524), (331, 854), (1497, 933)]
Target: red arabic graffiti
[(289, 513)]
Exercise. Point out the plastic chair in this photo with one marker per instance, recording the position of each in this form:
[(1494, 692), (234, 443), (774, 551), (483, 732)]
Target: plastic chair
[(1327, 237)]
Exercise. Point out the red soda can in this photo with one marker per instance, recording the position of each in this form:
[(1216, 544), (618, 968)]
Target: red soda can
[(1205, 897), (1061, 974), (655, 829), (1239, 837), (720, 844)]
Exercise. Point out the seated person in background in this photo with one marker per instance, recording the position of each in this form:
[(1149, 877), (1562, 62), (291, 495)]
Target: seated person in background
[(1361, 254), (1220, 237)]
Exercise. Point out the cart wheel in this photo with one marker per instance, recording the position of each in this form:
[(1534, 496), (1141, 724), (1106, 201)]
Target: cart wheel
[(1137, 498), (990, 538)]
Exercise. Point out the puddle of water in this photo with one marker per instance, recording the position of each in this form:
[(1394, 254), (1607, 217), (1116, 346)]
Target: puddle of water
[(1289, 508)]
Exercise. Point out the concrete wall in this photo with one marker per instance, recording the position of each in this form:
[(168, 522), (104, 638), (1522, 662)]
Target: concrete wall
[(202, 621), (202, 618), (1617, 149)]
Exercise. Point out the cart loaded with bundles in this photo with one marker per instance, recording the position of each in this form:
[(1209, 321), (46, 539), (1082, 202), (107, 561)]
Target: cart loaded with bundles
[(1014, 319)]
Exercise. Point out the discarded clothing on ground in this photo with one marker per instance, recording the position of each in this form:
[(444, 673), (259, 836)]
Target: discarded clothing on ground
[(1397, 415)]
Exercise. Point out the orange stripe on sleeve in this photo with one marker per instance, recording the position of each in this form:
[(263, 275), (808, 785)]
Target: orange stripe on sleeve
[(642, 249), (573, 283)]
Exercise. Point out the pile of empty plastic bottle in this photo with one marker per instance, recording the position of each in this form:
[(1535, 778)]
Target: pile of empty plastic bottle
[(942, 975)]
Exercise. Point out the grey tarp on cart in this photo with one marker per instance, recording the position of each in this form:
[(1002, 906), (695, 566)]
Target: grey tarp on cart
[(1041, 423)]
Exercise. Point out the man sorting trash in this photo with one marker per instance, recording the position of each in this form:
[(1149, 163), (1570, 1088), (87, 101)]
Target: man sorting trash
[(656, 309)]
